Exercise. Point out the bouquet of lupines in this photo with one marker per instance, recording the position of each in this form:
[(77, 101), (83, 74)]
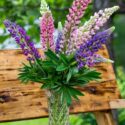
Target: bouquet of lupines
[(68, 59)]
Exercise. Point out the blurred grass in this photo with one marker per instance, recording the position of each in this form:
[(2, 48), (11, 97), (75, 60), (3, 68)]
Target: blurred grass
[(74, 120), (41, 121), (119, 40)]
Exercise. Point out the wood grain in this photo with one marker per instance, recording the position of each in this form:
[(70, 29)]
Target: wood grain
[(104, 118), (117, 103), (18, 101)]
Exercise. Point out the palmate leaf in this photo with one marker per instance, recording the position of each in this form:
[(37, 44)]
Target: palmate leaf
[(48, 63), (78, 82), (47, 85), (69, 75), (90, 74), (52, 56), (84, 76), (66, 97), (30, 72), (68, 93), (60, 74), (72, 71), (61, 67), (75, 70), (64, 59), (75, 93), (71, 58), (49, 67)]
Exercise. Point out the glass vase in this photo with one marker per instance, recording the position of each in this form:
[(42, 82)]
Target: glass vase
[(58, 111)]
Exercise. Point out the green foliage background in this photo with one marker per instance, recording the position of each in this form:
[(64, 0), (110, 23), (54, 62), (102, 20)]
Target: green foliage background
[(26, 13)]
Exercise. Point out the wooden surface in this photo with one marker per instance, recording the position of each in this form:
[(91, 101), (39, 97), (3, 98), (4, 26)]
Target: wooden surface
[(117, 103), (105, 118), (18, 101)]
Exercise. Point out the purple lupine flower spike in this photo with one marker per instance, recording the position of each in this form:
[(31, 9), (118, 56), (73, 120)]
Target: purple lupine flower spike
[(90, 28), (19, 34), (59, 38), (84, 56), (98, 58)]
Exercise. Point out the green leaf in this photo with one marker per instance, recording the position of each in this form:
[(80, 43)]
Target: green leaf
[(69, 76), (51, 55), (64, 59), (91, 75), (67, 96), (47, 86), (75, 91), (77, 83), (61, 67), (44, 86), (72, 71), (48, 64), (75, 70), (71, 58)]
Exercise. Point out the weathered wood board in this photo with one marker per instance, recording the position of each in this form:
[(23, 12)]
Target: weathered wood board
[(18, 101)]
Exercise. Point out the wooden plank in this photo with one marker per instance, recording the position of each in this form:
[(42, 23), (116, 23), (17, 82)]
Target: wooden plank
[(28, 101), (11, 61), (117, 103), (19, 101), (105, 118)]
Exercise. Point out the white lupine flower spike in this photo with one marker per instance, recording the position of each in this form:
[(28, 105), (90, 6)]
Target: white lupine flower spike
[(91, 27), (44, 7)]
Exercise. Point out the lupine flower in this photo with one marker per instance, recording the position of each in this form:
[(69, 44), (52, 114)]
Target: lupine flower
[(47, 31), (76, 12), (44, 7), (59, 37), (84, 56), (93, 25), (19, 34), (98, 59)]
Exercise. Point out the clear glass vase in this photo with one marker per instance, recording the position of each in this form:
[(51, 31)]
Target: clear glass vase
[(58, 111)]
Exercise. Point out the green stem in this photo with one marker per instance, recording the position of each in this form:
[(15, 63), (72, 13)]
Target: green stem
[(40, 66)]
